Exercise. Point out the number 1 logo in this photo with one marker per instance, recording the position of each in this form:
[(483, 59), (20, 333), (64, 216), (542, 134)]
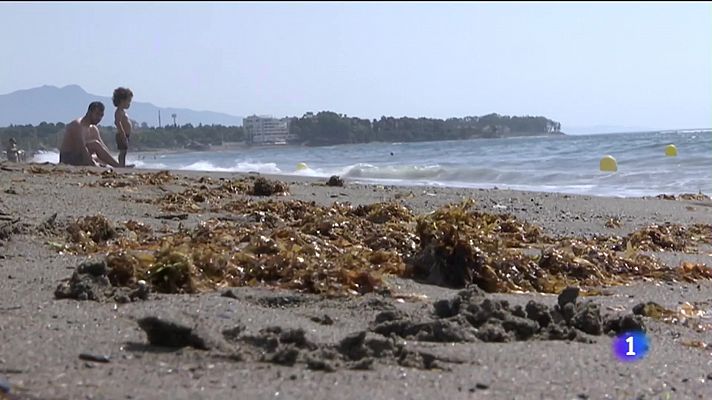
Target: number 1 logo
[(630, 341), (631, 346)]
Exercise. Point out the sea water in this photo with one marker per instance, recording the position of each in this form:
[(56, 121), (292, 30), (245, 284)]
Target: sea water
[(565, 164)]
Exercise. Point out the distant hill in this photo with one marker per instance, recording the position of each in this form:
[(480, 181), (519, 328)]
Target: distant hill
[(53, 104)]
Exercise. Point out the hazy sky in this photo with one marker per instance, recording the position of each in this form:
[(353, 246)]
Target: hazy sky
[(582, 64)]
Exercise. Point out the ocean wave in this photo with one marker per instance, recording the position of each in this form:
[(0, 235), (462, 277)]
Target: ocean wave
[(566, 165), (146, 165), (45, 156), (203, 165)]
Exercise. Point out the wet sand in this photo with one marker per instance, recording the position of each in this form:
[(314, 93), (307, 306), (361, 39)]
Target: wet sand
[(41, 338)]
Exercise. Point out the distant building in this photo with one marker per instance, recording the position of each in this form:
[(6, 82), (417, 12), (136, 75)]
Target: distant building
[(265, 129)]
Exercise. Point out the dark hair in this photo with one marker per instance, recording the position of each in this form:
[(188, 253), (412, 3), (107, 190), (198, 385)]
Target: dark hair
[(121, 94), (94, 105)]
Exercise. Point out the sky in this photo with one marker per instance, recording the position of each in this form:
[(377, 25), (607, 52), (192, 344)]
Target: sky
[(624, 65)]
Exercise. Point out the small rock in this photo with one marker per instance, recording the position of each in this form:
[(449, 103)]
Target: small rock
[(390, 315), (558, 332), (296, 337), (285, 355), (481, 386), (379, 346), (141, 292), (229, 293), (88, 282), (631, 322), (625, 323), (523, 328), (538, 312), (518, 311), (440, 331), (96, 268), (568, 295), (122, 298), (470, 293), (490, 332), (568, 311), (95, 357), (325, 320), (363, 364), (447, 308), (167, 333), (232, 334), (588, 319), (319, 364), (335, 180), (352, 345)]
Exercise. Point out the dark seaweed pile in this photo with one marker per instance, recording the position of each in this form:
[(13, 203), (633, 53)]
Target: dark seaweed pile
[(342, 249)]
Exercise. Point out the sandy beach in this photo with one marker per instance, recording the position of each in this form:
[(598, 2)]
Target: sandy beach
[(400, 341)]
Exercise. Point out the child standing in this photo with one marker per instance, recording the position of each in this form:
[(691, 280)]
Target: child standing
[(122, 100)]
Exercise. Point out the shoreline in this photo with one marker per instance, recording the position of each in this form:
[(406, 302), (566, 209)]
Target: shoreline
[(42, 337), (389, 182)]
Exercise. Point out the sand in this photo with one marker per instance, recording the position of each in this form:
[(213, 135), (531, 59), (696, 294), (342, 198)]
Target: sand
[(41, 337)]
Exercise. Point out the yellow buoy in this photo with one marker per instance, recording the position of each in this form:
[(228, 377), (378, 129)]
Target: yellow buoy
[(670, 150), (608, 164), (301, 166)]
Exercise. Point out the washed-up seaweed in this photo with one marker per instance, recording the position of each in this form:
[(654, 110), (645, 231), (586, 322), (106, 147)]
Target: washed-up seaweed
[(316, 256), (671, 237), (687, 314), (192, 198), (613, 223), (343, 249), (684, 196), (265, 187), (459, 247), (36, 169), (111, 179), (89, 233)]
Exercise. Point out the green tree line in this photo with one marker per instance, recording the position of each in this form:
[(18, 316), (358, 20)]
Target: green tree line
[(323, 128), (328, 128)]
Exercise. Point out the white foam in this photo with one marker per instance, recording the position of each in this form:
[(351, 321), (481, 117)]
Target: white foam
[(146, 165), (45, 156), (268, 168)]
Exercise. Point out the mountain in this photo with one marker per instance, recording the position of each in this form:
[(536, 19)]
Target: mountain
[(53, 104)]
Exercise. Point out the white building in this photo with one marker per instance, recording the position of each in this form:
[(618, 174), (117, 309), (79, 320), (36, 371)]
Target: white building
[(265, 129)]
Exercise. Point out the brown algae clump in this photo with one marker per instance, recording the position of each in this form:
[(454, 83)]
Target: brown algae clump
[(340, 250), (89, 233), (672, 237), (266, 187)]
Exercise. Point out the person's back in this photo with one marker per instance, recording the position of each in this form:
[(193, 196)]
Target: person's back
[(122, 118), (73, 149), (12, 154), (82, 139)]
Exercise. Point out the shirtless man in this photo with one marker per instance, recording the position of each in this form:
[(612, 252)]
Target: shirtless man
[(82, 140)]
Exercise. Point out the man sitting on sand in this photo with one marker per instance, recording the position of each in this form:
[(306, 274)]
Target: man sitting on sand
[(82, 140)]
